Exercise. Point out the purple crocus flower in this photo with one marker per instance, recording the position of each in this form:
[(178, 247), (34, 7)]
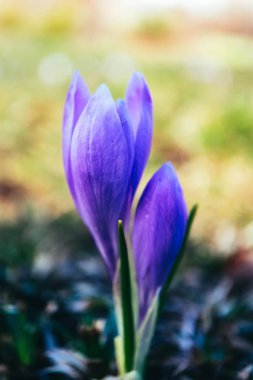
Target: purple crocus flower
[(158, 232), (106, 145), (105, 150)]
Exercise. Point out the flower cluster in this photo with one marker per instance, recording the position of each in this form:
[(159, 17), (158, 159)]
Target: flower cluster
[(106, 146)]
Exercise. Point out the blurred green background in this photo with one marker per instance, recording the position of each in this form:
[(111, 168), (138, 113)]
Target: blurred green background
[(199, 66)]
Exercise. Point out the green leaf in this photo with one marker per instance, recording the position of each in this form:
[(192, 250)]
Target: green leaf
[(134, 289), (23, 335), (178, 260), (145, 334), (119, 354), (126, 302)]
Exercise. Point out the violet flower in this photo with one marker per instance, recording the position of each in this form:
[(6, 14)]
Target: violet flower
[(106, 145), (105, 150), (158, 233)]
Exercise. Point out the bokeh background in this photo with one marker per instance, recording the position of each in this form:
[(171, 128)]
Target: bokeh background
[(197, 57)]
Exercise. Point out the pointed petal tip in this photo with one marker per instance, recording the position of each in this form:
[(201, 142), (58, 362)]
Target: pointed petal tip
[(138, 76), (102, 88), (77, 79), (168, 169), (76, 74), (138, 80), (78, 93), (103, 93)]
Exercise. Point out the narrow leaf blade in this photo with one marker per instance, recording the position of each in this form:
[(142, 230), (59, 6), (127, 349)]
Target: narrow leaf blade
[(145, 334), (178, 260), (126, 302)]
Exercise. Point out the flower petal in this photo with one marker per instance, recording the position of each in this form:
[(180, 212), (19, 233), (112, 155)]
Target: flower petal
[(126, 126), (158, 232), (76, 100), (139, 105), (128, 131), (101, 166)]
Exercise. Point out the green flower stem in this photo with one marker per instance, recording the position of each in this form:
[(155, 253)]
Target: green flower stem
[(128, 329)]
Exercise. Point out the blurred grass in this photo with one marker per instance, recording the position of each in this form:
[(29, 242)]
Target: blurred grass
[(202, 91)]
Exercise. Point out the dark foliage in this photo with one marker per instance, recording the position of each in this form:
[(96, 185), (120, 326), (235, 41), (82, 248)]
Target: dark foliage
[(57, 320)]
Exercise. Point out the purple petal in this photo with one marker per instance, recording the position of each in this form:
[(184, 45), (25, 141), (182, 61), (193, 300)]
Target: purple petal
[(101, 166), (76, 100), (127, 128), (128, 131), (158, 232), (139, 105)]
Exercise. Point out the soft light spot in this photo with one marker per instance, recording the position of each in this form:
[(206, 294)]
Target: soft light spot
[(117, 67), (55, 69)]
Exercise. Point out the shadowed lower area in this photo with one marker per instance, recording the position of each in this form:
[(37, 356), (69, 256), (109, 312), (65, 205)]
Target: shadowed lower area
[(57, 318)]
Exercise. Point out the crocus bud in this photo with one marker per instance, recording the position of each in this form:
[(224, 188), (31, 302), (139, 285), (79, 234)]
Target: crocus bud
[(158, 232), (105, 150)]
